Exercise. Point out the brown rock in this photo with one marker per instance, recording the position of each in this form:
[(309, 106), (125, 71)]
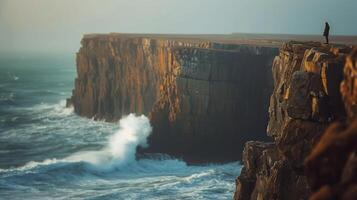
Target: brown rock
[(197, 93), (349, 84), (266, 175), (326, 161), (305, 99), (350, 192), (324, 193), (258, 160), (332, 164), (245, 185)]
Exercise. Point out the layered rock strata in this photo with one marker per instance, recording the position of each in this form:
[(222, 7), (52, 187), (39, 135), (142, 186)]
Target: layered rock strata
[(305, 100), (204, 98)]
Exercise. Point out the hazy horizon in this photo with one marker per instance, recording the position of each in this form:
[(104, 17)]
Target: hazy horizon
[(58, 26)]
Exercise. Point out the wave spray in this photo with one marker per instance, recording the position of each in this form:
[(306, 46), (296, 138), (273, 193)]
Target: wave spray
[(121, 147)]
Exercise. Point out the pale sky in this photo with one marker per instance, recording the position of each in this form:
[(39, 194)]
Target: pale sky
[(58, 25)]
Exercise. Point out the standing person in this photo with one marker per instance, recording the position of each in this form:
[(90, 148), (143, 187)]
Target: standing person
[(327, 31)]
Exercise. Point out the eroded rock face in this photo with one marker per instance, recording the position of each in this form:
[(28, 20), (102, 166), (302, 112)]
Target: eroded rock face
[(204, 99), (258, 159), (332, 164), (349, 85), (305, 100)]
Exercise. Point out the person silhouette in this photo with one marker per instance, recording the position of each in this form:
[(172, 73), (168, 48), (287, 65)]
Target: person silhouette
[(327, 32)]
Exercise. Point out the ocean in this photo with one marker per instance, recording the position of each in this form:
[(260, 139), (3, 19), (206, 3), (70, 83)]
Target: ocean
[(48, 152)]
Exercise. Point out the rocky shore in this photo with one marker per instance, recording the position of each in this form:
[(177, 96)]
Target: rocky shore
[(206, 99), (312, 122)]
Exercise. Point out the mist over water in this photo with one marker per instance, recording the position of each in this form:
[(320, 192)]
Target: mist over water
[(48, 152)]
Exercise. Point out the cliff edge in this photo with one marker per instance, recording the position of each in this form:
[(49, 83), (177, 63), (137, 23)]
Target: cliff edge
[(313, 153), (204, 98)]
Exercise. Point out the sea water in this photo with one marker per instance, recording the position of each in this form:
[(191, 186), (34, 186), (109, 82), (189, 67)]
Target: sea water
[(48, 152)]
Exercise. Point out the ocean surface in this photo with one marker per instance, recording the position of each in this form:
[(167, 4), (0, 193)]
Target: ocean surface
[(48, 152)]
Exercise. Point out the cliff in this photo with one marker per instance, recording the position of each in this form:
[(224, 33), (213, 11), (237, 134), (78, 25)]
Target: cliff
[(204, 98), (306, 99), (332, 164)]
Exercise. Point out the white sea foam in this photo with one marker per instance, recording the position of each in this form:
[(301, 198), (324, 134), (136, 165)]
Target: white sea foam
[(61, 109), (7, 97), (120, 149), (192, 177), (58, 109), (31, 165)]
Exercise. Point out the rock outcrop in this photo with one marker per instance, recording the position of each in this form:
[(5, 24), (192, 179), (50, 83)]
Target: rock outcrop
[(204, 99), (332, 164), (305, 100)]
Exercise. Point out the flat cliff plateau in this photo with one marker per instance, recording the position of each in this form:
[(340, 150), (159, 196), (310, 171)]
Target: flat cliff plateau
[(205, 98), (313, 125)]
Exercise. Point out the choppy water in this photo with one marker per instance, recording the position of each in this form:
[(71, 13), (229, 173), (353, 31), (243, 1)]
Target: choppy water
[(48, 152)]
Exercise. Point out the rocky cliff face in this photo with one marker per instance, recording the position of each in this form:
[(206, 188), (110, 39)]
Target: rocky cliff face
[(332, 164), (305, 100), (204, 99)]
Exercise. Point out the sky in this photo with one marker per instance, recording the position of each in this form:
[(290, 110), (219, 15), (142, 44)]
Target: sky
[(58, 25)]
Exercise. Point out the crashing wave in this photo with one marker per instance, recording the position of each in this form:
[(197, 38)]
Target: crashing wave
[(120, 149)]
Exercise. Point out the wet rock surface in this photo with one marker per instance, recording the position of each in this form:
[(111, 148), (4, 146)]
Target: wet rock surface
[(305, 101)]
